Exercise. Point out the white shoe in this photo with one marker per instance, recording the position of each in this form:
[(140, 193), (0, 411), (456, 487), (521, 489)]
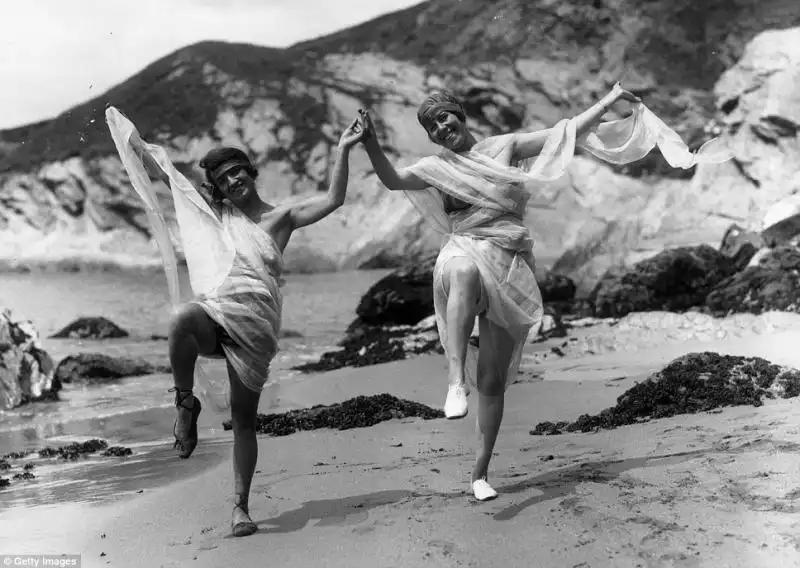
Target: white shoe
[(456, 404), (483, 491)]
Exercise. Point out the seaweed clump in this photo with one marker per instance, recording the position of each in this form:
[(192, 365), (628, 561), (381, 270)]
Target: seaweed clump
[(696, 382), (358, 412)]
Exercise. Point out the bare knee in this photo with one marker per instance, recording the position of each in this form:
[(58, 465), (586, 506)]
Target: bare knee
[(490, 380), (244, 418), (190, 320), (462, 275)]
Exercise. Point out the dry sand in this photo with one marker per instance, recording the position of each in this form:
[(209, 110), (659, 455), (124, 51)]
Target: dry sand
[(719, 489)]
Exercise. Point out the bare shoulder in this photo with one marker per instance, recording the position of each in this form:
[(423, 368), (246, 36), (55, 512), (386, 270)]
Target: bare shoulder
[(277, 222)]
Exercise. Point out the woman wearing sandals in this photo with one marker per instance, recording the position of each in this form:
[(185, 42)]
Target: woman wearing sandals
[(239, 318)]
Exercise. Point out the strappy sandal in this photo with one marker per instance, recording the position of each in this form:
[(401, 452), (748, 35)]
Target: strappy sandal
[(186, 445), (243, 528)]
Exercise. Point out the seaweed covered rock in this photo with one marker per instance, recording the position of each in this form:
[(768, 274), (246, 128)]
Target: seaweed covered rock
[(403, 297), (97, 367), (373, 345), (22, 461), (26, 370), (557, 288), (673, 280), (693, 383), (359, 412), (773, 284), (95, 327)]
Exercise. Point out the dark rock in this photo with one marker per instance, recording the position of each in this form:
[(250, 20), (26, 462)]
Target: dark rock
[(290, 334), (674, 280), (118, 451), (91, 328), (403, 297), (97, 367), (4, 482), (740, 245), (696, 382), (26, 370), (375, 345), (359, 412), (74, 450), (774, 284), (557, 288)]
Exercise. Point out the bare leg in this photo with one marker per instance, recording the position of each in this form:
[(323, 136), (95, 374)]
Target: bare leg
[(244, 412), (191, 333), (496, 351), (462, 284)]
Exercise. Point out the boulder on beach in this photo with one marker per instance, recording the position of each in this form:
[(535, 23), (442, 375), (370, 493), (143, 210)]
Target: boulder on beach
[(557, 288), (375, 345), (97, 367), (673, 280), (696, 382), (403, 297), (26, 370), (94, 327), (772, 284), (358, 412)]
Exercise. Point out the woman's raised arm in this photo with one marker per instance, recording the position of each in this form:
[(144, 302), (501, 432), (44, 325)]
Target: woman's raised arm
[(393, 179), (530, 144)]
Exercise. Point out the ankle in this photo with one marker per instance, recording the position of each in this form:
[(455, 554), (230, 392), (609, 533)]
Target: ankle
[(241, 501)]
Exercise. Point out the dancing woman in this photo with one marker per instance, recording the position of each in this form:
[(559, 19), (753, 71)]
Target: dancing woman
[(233, 242), (474, 192)]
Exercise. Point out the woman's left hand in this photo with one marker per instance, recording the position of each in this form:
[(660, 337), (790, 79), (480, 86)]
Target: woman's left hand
[(352, 135)]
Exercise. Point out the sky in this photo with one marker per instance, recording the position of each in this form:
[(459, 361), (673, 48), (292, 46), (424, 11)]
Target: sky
[(55, 54)]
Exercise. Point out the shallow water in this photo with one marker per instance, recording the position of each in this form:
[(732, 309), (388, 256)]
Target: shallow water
[(138, 409)]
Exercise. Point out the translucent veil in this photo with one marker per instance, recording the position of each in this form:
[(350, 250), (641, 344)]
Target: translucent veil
[(500, 194), (208, 248), (474, 177)]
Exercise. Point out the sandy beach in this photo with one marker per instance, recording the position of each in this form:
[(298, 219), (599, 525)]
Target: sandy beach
[(718, 489)]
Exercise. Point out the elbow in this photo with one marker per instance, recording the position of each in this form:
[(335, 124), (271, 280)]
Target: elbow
[(335, 202)]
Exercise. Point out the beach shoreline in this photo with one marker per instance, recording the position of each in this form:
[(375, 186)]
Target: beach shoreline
[(710, 489)]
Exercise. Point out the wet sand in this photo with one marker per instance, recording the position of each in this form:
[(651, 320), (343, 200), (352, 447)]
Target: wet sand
[(717, 489)]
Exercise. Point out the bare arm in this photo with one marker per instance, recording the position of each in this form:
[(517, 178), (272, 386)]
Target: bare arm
[(390, 177), (530, 144), (315, 209)]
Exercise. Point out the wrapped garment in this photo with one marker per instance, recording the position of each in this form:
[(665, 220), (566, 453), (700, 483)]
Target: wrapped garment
[(492, 232), (234, 267)]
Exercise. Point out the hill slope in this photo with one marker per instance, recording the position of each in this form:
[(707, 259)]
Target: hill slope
[(516, 63)]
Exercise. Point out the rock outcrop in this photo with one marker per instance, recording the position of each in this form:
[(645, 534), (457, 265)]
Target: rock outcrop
[(26, 370), (100, 368), (65, 199), (95, 327), (673, 280), (772, 284)]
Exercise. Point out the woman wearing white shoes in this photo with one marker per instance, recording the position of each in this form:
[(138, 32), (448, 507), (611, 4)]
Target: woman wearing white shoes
[(476, 193)]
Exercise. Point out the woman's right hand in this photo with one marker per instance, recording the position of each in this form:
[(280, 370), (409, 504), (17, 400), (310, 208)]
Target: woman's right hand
[(366, 125)]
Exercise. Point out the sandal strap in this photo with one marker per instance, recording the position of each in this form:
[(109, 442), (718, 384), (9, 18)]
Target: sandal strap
[(179, 399)]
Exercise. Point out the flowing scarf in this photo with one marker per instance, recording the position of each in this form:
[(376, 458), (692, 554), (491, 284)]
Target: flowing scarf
[(233, 266), (499, 195)]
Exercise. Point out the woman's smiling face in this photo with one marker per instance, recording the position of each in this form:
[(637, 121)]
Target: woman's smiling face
[(447, 130)]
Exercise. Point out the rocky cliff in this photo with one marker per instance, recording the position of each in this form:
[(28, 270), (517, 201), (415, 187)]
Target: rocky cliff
[(64, 196)]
